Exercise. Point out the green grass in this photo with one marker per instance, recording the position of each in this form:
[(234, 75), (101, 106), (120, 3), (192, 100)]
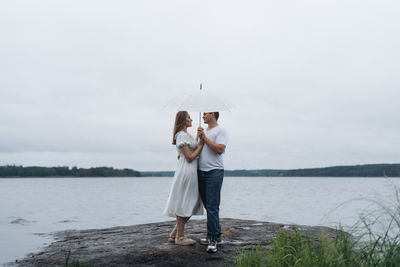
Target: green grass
[(254, 257), (296, 249), (374, 241)]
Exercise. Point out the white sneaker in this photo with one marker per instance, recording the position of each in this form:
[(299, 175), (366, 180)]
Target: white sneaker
[(212, 246), (205, 241)]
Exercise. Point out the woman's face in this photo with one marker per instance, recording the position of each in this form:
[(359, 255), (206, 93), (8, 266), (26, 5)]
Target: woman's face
[(188, 122)]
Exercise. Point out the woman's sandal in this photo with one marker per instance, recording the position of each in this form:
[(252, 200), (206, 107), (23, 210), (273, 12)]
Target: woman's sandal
[(171, 238), (184, 241)]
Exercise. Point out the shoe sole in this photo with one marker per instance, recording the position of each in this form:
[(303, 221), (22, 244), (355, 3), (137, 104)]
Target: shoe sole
[(211, 250), (206, 243), (189, 244)]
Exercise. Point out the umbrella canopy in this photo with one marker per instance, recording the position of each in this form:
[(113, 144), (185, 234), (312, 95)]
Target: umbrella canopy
[(201, 102), (204, 103)]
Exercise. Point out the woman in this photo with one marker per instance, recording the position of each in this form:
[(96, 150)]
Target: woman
[(184, 199)]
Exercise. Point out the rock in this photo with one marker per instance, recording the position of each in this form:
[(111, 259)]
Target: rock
[(21, 221), (146, 244)]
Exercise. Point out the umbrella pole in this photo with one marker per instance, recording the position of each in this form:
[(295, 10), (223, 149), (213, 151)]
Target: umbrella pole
[(201, 88)]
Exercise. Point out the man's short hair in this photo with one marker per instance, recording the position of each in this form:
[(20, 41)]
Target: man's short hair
[(216, 115)]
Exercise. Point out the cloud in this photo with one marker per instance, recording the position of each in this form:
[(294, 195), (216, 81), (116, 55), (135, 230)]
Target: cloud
[(314, 83)]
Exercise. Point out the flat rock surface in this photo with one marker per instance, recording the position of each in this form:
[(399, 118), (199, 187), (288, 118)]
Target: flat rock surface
[(147, 244)]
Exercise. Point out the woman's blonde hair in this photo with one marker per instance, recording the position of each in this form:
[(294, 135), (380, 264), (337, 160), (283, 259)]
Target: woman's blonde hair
[(180, 121)]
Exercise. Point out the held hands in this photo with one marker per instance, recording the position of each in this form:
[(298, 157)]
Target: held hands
[(200, 133), (201, 142)]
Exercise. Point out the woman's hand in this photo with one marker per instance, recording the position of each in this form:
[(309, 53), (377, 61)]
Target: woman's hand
[(201, 142)]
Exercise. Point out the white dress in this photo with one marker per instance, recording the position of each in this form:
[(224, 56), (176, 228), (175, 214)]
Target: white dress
[(184, 198)]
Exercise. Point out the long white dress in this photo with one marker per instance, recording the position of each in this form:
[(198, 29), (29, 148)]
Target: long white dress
[(184, 198)]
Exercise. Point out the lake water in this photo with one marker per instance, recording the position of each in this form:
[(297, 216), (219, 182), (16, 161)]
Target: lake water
[(31, 208)]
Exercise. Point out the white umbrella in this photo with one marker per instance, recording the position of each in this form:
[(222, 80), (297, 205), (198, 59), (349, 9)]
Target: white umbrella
[(201, 102)]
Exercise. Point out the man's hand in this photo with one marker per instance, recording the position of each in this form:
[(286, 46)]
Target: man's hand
[(200, 132)]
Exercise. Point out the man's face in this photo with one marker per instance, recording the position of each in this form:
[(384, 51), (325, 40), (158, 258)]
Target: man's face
[(207, 116)]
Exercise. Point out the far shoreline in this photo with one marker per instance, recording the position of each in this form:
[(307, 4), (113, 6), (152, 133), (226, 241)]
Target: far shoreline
[(226, 177), (385, 170)]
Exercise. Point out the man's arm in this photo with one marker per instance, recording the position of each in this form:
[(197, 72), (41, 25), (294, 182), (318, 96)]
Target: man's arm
[(217, 148)]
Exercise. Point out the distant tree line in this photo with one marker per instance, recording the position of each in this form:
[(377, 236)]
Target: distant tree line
[(368, 170), (20, 171)]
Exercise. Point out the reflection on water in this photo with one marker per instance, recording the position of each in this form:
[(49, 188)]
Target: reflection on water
[(31, 208)]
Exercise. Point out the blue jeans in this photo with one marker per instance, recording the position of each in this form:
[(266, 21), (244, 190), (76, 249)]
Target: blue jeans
[(210, 184)]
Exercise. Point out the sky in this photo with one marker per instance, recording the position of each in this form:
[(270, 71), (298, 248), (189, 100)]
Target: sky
[(314, 83)]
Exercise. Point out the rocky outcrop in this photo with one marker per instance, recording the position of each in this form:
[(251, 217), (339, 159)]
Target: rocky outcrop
[(146, 244)]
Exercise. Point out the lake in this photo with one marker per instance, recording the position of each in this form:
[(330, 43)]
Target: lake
[(31, 208)]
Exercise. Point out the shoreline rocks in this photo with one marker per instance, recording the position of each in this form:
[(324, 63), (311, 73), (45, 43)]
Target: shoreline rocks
[(147, 244)]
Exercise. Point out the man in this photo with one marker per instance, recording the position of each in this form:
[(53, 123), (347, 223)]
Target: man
[(211, 175)]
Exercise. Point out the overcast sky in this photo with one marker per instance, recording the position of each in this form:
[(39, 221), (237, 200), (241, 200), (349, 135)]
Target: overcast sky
[(315, 83)]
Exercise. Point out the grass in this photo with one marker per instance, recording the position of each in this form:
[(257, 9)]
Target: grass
[(374, 241), (254, 257), (296, 249)]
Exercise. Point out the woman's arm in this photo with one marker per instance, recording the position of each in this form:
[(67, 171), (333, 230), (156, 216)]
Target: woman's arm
[(190, 156)]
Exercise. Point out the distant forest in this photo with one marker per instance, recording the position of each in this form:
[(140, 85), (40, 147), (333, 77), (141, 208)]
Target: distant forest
[(19, 171), (370, 170)]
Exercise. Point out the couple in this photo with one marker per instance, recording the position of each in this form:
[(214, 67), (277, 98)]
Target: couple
[(197, 182)]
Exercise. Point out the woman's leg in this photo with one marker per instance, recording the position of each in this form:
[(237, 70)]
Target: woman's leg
[(180, 225), (172, 235), (180, 228), (173, 232)]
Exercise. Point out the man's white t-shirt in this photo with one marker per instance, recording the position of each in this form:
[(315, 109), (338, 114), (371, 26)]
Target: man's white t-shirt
[(209, 160)]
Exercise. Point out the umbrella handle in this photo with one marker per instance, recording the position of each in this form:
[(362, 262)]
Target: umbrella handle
[(199, 119)]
